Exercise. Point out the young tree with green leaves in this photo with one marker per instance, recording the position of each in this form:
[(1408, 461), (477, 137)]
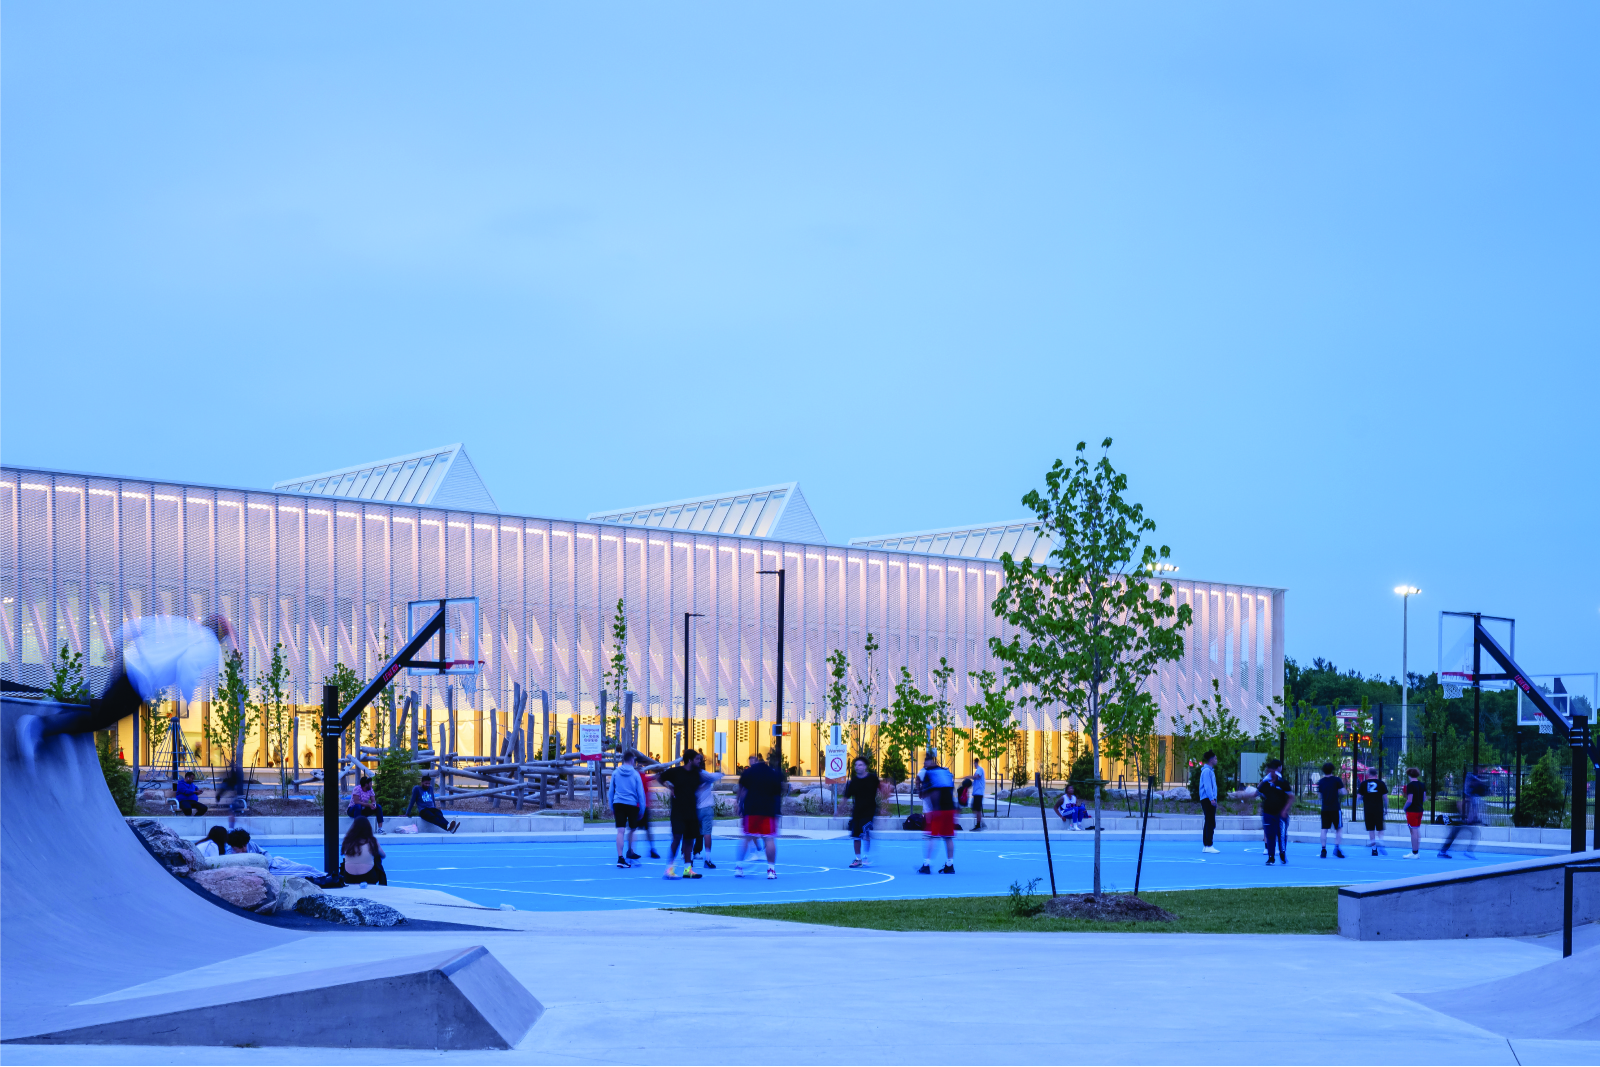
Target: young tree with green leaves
[(863, 695), (1093, 624), (277, 714), (67, 683), (1543, 800), (994, 723), (615, 676), (233, 714), (945, 734), (1209, 726)]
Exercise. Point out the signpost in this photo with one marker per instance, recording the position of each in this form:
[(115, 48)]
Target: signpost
[(589, 741)]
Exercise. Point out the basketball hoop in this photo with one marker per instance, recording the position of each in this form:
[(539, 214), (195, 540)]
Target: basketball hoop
[(1454, 682)]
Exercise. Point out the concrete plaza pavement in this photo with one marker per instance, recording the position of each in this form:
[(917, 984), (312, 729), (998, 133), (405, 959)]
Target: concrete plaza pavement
[(647, 987)]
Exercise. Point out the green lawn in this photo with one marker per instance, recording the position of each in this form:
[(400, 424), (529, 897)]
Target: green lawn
[(1271, 910)]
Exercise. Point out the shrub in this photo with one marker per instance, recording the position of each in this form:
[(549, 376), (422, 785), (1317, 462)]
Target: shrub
[(1542, 802), (1024, 902), (394, 779), (118, 778)]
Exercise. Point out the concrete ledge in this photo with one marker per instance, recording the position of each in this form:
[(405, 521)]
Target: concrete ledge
[(460, 999), (1519, 899)]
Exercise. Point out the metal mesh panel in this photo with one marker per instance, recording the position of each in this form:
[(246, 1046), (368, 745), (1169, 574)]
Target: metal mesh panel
[(327, 578)]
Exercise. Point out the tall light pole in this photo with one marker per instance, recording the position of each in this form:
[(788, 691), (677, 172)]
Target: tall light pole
[(1405, 592), (688, 697), (777, 727)]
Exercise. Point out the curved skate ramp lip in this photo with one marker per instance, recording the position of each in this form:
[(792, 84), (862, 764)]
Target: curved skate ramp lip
[(85, 910), (1555, 1001)]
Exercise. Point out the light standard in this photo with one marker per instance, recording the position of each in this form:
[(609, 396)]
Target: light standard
[(687, 696), (777, 728), (1405, 592)]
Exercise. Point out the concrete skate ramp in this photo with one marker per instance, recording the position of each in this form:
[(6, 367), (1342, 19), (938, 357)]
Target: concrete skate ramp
[(85, 910), (456, 999), (1555, 1001)]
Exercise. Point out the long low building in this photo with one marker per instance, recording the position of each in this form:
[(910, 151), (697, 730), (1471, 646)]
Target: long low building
[(325, 565)]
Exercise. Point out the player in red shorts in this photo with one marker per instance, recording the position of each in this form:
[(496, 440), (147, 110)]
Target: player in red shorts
[(939, 819), (760, 800), (1415, 793)]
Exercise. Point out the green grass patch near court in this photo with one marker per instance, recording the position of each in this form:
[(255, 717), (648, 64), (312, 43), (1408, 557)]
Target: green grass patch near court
[(1273, 910)]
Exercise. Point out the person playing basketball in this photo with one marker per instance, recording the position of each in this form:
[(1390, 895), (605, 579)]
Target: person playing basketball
[(760, 802), (1415, 793), (938, 788), (1374, 803)]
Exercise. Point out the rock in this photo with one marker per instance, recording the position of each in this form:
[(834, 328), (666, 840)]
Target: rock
[(351, 911), (249, 888), (173, 852), (292, 891), (1022, 791), (1109, 907)]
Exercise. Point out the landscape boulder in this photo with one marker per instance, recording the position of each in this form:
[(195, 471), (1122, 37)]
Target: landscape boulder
[(249, 888), (173, 852), (292, 890), (351, 911)]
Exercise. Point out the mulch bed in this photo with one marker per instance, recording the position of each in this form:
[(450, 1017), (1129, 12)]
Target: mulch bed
[(1110, 907)]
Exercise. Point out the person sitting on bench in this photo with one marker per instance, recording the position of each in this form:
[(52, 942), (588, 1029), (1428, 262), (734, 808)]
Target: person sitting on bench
[(188, 795), (423, 804), (364, 802)]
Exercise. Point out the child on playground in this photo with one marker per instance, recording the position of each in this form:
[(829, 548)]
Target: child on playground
[(1415, 794), (360, 856), (364, 802)]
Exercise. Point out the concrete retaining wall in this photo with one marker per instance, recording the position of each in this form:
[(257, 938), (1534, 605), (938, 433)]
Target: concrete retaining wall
[(1507, 900), (302, 826)]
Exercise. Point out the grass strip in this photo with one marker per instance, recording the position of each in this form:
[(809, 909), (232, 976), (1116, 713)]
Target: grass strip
[(1266, 910)]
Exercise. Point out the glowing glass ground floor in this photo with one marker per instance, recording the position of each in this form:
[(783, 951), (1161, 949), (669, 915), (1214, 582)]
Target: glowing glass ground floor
[(326, 580)]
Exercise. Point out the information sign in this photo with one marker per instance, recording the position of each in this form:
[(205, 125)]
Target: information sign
[(589, 741)]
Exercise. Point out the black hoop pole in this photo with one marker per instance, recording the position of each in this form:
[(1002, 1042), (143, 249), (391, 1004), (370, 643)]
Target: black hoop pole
[(332, 731), (1038, 785)]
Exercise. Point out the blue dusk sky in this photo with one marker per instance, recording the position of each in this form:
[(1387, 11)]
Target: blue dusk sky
[(1327, 273)]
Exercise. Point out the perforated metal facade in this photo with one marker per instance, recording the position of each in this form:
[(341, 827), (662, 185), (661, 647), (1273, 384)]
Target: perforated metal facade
[(330, 577)]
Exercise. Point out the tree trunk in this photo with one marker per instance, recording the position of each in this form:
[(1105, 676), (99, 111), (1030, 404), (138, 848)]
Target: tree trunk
[(1094, 740)]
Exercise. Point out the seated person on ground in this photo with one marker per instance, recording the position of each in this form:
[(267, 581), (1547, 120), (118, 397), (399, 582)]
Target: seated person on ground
[(214, 844), (361, 857), (187, 794), (239, 843), (424, 804)]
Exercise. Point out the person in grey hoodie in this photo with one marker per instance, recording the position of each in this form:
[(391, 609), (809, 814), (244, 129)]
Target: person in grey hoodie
[(628, 803), (706, 806), (1208, 800)]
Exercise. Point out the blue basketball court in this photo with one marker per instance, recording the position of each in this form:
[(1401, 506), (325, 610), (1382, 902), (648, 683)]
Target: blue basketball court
[(582, 876)]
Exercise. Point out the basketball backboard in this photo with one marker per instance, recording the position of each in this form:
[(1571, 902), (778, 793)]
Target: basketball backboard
[(1572, 693), (1455, 650), (457, 645)]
